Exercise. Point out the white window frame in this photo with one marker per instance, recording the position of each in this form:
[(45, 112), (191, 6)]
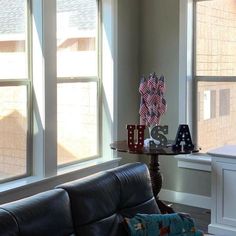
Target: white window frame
[(87, 79), (27, 82), (45, 171), (187, 98), (198, 79)]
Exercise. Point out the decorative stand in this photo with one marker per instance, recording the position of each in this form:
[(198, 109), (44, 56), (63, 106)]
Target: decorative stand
[(156, 179), (157, 133), (155, 174)]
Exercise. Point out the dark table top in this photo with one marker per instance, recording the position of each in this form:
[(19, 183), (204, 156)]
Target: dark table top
[(122, 146)]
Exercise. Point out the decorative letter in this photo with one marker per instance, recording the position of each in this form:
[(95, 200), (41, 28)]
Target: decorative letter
[(157, 133), (131, 144), (183, 139)]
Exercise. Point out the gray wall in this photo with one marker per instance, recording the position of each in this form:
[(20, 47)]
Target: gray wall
[(159, 52), (148, 34), (184, 180), (159, 49), (128, 63), (128, 68)]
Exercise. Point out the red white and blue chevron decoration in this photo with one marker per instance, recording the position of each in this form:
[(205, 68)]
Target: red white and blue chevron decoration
[(153, 104)]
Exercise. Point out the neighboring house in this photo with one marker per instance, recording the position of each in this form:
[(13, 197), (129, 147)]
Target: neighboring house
[(78, 15)]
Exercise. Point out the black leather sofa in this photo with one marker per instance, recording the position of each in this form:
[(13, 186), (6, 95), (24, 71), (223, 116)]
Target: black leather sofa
[(92, 206)]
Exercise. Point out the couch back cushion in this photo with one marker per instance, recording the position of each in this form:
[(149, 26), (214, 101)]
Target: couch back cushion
[(8, 225), (100, 202), (46, 214)]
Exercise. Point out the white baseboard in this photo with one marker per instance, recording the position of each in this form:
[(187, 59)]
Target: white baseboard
[(219, 229), (185, 198)]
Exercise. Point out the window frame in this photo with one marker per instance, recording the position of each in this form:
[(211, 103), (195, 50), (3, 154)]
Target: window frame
[(197, 79), (45, 89), (87, 79), (43, 133), (27, 82)]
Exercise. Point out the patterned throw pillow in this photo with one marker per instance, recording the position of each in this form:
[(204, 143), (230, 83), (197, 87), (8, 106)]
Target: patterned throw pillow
[(176, 224)]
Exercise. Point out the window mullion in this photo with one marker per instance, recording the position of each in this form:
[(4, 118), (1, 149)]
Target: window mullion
[(50, 92), (44, 87)]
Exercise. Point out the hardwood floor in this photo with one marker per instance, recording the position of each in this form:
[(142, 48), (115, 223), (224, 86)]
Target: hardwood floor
[(201, 216)]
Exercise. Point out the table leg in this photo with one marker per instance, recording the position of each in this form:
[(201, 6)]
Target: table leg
[(156, 179)]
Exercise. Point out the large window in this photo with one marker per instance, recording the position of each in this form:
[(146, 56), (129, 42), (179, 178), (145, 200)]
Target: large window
[(215, 72), (78, 80), (15, 90), (56, 90)]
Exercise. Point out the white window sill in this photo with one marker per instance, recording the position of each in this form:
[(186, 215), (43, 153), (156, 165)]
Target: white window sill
[(30, 185), (83, 166), (195, 161)]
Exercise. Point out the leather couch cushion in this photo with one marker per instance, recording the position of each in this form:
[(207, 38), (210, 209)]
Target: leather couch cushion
[(93, 198), (135, 186), (100, 202), (8, 225), (43, 214)]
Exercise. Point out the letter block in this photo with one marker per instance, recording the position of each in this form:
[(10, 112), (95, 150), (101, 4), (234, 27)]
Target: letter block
[(131, 137), (183, 140)]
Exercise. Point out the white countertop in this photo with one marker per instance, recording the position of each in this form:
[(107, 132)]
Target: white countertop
[(227, 151)]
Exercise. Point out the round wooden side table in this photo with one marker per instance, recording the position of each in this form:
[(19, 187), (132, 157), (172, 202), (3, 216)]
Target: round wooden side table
[(154, 166)]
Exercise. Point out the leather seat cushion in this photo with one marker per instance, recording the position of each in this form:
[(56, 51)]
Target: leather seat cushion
[(8, 224), (100, 202), (46, 214)]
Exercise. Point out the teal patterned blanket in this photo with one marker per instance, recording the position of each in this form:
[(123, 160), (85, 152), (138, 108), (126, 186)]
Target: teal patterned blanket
[(176, 224)]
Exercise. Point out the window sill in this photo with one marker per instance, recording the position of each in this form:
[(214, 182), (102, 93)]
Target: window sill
[(195, 161), (24, 187), (84, 166)]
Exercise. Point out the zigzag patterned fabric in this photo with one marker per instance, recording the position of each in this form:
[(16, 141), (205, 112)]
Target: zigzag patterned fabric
[(153, 104)]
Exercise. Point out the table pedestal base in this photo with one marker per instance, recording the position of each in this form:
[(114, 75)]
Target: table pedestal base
[(156, 180)]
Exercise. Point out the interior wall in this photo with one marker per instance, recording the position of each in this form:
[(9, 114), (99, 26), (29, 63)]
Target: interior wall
[(159, 52), (128, 69)]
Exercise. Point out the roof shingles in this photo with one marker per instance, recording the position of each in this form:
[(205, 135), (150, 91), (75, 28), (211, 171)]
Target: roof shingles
[(82, 14)]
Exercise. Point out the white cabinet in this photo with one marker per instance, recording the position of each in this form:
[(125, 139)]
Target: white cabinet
[(223, 210)]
